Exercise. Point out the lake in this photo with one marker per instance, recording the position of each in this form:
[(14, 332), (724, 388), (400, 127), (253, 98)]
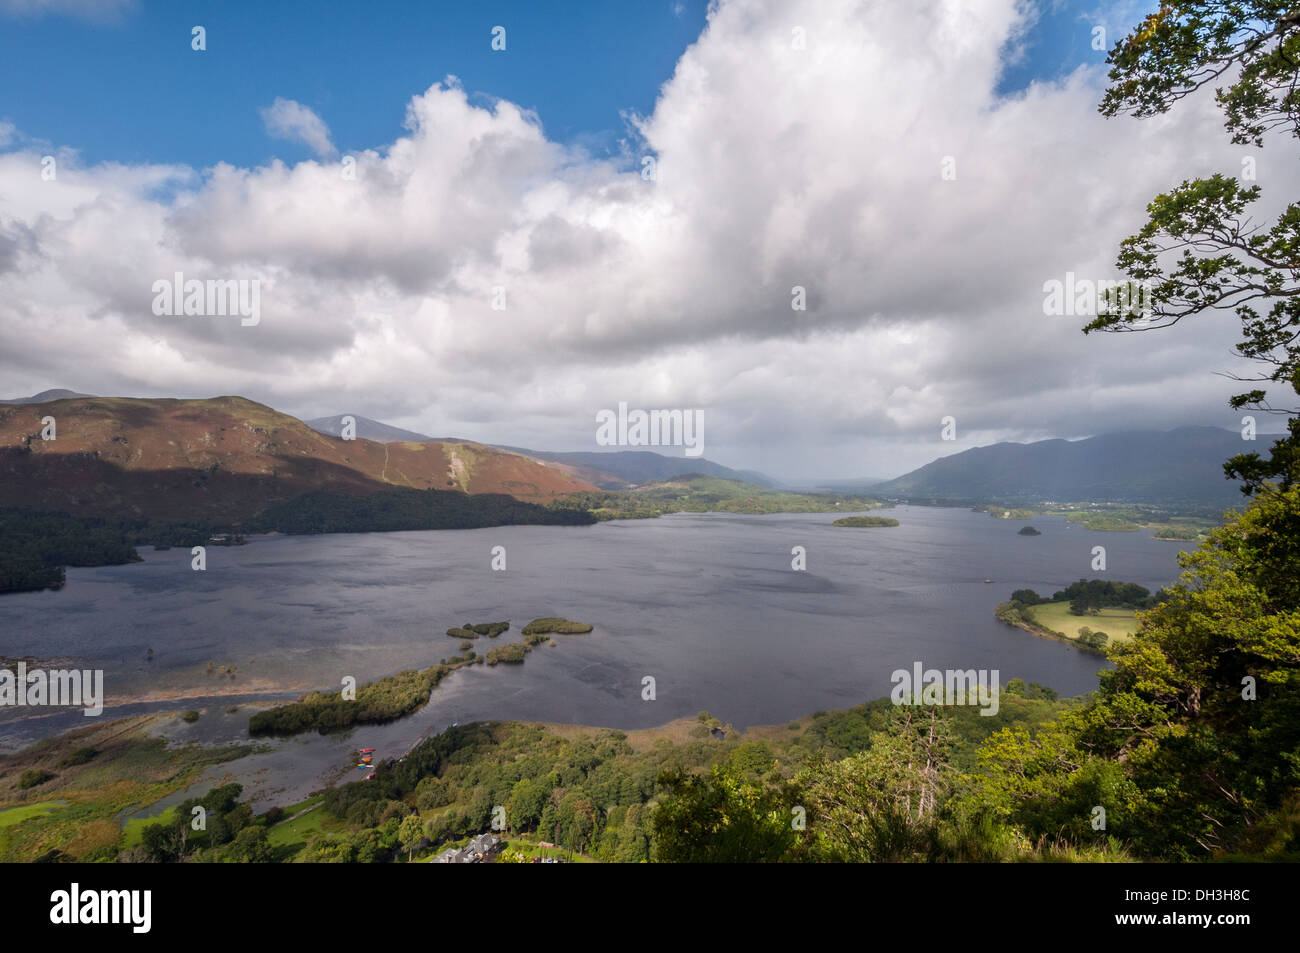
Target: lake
[(705, 604)]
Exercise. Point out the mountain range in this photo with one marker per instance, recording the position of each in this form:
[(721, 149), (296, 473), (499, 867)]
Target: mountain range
[(609, 470), (1176, 468), (224, 459)]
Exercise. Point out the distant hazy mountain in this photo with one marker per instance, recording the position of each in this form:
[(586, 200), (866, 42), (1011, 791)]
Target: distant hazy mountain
[(57, 393), (367, 429), (848, 486), (1175, 467), (612, 469)]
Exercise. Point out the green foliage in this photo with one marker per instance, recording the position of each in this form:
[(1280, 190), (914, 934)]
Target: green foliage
[(79, 756), (1194, 738), (32, 777), (882, 804), (1199, 250), (402, 508), (513, 653), (721, 819), (384, 700), (250, 846), (1092, 639), (695, 493), (556, 625), (36, 545), (1027, 597), (1091, 594), (1105, 522), (865, 521), (225, 819), (1187, 44), (1013, 613)]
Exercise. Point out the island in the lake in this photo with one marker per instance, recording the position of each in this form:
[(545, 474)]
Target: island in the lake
[(865, 521), (396, 696)]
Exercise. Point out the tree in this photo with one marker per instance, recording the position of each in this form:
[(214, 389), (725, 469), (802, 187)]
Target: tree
[(882, 804), (577, 819), (161, 843), (527, 799), (721, 818), (1199, 250), (1188, 44), (411, 834), (1192, 742), (251, 846)]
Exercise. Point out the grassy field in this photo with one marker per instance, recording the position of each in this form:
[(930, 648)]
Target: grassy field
[(76, 812), (1119, 624), (16, 815), (132, 830), (300, 830), (694, 493)]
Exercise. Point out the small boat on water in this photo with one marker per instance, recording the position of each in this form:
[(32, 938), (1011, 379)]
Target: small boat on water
[(367, 750)]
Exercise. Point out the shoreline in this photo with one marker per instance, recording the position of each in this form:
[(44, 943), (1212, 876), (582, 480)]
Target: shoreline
[(1042, 632)]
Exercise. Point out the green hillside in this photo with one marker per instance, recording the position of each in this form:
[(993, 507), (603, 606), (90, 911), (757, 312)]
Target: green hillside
[(697, 493)]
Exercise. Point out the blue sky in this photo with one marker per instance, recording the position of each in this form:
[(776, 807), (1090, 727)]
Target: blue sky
[(128, 88), (131, 89)]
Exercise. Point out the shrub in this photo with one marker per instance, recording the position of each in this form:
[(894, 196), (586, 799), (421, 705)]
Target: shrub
[(513, 653), (32, 777), (80, 756)]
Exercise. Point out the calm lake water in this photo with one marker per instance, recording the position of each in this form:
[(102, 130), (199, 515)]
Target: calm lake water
[(706, 604)]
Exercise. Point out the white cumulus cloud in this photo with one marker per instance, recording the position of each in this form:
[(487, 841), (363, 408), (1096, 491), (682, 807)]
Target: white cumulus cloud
[(288, 119), (776, 166)]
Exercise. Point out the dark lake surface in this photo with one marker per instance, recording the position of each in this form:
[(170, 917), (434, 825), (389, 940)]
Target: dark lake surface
[(706, 604)]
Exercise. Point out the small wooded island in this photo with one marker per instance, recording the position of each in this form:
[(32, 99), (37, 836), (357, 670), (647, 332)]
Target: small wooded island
[(393, 697), (1029, 531), (865, 521)]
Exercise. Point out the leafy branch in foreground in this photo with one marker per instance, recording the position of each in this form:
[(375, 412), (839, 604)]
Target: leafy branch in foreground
[(1199, 250), (1189, 44)]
